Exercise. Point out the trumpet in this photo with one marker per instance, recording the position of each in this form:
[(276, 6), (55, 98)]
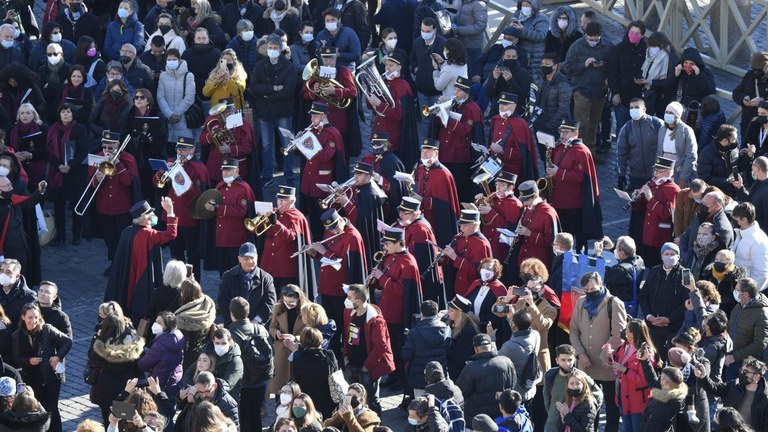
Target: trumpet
[(308, 247), (482, 179), (369, 80), (166, 177), (258, 225), (292, 146), (108, 168), (427, 111), (337, 192)]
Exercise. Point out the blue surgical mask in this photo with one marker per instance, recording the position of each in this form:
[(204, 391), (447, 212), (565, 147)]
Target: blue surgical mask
[(307, 37), (413, 422), (123, 13), (652, 51), (593, 43), (172, 65), (7, 44), (669, 118), (635, 113), (273, 54), (427, 36)]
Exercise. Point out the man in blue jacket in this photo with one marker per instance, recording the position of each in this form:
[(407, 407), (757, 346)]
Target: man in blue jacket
[(343, 38)]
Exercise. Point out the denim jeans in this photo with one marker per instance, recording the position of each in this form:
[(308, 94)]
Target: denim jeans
[(423, 125), (267, 132), (632, 422), (621, 111)]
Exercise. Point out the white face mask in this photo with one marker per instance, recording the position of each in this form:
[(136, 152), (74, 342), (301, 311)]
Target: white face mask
[(563, 24), (526, 11), (56, 37), (5, 280), (54, 60), (486, 274), (505, 114), (273, 54), (635, 113), (736, 295), (391, 75), (247, 35), (426, 162), (285, 398), (348, 304), (506, 43), (172, 65), (652, 51), (332, 26), (228, 180), (427, 35), (7, 44), (391, 43), (156, 329), (4, 171), (556, 250), (221, 349)]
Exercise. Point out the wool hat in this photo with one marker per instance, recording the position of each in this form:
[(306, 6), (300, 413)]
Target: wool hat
[(669, 245), (483, 423), (675, 108), (7, 386), (678, 357)]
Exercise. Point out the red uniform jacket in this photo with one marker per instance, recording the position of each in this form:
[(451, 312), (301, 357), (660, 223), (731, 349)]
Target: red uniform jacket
[(375, 160), (542, 221), (657, 227), (470, 251), (115, 197), (438, 192), (281, 241), (573, 163), (401, 288), (143, 241), (391, 118), (457, 136), (198, 173), (380, 360), (349, 247), (231, 213), (336, 116), (504, 213), (519, 142), (322, 168), (245, 143)]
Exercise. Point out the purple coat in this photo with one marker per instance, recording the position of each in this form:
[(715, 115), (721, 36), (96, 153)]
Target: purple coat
[(163, 360)]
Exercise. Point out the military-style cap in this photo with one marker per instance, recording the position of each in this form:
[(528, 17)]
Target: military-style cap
[(463, 83), (430, 143), (318, 108), (328, 51), (364, 168), (469, 216), (409, 205), (286, 192), (396, 57), (379, 138), (664, 163), (507, 98), (461, 303), (330, 218), (229, 163), (393, 235), (506, 177), (109, 136), (569, 124), (528, 189), (185, 142), (140, 209)]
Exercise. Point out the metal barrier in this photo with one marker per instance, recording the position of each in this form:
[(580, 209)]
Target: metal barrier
[(506, 11)]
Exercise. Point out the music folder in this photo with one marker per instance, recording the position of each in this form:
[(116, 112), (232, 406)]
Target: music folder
[(32, 142)]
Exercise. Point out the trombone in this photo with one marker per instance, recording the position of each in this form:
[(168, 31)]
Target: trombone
[(108, 168), (337, 192), (258, 225)]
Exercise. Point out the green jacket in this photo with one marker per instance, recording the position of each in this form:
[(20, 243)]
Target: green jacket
[(750, 337)]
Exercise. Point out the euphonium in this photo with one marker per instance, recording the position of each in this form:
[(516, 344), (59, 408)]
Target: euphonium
[(258, 225), (217, 127), (370, 82), (482, 179), (311, 70)]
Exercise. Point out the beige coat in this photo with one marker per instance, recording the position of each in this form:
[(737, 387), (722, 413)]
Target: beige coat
[(588, 336), (282, 365), (543, 315)]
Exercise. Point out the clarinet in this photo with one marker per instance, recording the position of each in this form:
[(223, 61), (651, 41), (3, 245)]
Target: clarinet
[(513, 242), (438, 257)]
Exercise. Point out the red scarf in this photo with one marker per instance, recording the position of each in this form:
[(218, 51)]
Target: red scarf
[(113, 110), (21, 130), (69, 89), (57, 147)]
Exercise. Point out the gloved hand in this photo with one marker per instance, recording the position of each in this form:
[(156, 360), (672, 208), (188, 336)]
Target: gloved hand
[(692, 416)]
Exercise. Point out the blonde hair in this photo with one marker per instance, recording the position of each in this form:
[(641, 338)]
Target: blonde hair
[(89, 425), (29, 106), (314, 315)]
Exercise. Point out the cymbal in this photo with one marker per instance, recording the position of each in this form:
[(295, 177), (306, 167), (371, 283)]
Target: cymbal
[(199, 211)]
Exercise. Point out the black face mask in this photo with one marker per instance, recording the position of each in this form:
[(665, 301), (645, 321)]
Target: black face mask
[(171, 5), (565, 371), (75, 7), (623, 334), (762, 119), (230, 67), (510, 64), (743, 378), (354, 402), (165, 28), (719, 266), (116, 95), (125, 59), (378, 150), (591, 296), (575, 392), (546, 70), (201, 47), (526, 277)]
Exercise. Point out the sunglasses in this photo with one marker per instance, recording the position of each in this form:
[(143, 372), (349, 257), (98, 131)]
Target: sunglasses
[(139, 97)]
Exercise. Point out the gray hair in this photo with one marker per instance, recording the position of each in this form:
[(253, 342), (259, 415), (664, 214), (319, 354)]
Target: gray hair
[(7, 27), (761, 162), (627, 245), (114, 65), (244, 25), (718, 196), (174, 274), (206, 379)]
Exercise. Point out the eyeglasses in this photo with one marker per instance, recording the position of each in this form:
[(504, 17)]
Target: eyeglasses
[(139, 97), (748, 372)]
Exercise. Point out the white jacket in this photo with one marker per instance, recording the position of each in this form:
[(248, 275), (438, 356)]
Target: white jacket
[(751, 249)]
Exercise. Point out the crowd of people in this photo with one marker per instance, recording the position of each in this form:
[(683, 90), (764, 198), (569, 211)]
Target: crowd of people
[(166, 128)]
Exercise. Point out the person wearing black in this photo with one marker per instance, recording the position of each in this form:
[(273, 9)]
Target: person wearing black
[(508, 77), (234, 12), (752, 89), (201, 58), (14, 293), (74, 93), (167, 297), (76, 21), (53, 77), (161, 7), (421, 63), (112, 111), (693, 79), (564, 30), (249, 281), (18, 238), (428, 341), (758, 192), (385, 163), (50, 306), (149, 139), (364, 209), (554, 98), (625, 277), (627, 58), (137, 73), (154, 57)]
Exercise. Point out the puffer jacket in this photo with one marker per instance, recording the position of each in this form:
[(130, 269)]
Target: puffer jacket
[(533, 37), (229, 368), (637, 143), (172, 99), (626, 65), (715, 167), (693, 86), (486, 374), (38, 421), (662, 409), (733, 392), (581, 418), (589, 81), (115, 361), (427, 341), (48, 342), (558, 41), (119, 33), (618, 278), (470, 23), (163, 360), (749, 336), (554, 99), (518, 348), (750, 86), (708, 127), (751, 248)]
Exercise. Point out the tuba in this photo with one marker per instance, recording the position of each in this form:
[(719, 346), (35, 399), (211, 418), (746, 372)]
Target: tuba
[(370, 82), (258, 225), (312, 70), (217, 127)]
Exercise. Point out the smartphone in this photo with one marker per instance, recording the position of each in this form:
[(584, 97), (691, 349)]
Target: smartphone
[(735, 172), (122, 410), (686, 277), (519, 291), (500, 309), (190, 270), (592, 262), (643, 347)]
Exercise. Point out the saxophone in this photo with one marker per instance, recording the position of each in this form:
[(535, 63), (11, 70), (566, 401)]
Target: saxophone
[(545, 184)]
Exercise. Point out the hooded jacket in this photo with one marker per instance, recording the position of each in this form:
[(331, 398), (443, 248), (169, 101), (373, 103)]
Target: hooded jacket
[(38, 57), (694, 86), (427, 341), (163, 360), (118, 34), (748, 326), (557, 40), (194, 320), (445, 390), (533, 37), (229, 367), (470, 22), (662, 409), (115, 361), (38, 421)]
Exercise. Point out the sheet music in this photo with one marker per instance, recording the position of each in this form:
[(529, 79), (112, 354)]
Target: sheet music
[(95, 160), (235, 120), (286, 133), (327, 72), (262, 207), (545, 139), (623, 195), (406, 177), (381, 226)]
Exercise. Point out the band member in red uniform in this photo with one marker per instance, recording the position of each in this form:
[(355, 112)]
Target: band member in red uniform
[(536, 229), (345, 120), (457, 136), (288, 234), (186, 246), (397, 276), (385, 164), (656, 205), (512, 140), (230, 231), (463, 255), (399, 121), (346, 251), (114, 199), (137, 268), (364, 209), (436, 189), (575, 193), (327, 166), (419, 239), (500, 210), (244, 143)]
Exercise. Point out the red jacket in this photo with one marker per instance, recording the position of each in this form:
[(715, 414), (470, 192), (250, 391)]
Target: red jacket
[(542, 221), (573, 163), (321, 169), (231, 213), (349, 247), (470, 251), (380, 360), (182, 205), (245, 142), (115, 197), (281, 241), (401, 288), (391, 118), (504, 213), (519, 136), (635, 391), (457, 136), (657, 227), (336, 116)]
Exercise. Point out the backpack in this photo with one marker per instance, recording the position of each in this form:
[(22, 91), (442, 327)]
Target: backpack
[(257, 356), (90, 81)]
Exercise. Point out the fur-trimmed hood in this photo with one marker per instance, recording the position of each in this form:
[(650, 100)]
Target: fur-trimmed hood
[(128, 351), (573, 22), (665, 396), (25, 421)]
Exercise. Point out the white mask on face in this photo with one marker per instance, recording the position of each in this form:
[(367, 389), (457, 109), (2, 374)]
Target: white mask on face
[(56, 37), (5, 280), (54, 60), (426, 162), (156, 329), (505, 114), (652, 51), (285, 398), (391, 75), (486, 275), (526, 11), (391, 43), (172, 65), (505, 43), (220, 349), (635, 113), (736, 295), (563, 24), (4, 171), (332, 26), (228, 179), (669, 118), (273, 54), (307, 37), (247, 35), (348, 304)]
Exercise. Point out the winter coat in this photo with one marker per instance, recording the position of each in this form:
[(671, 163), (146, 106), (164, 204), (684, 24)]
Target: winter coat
[(87, 25), (215, 34), (749, 87), (402, 16), (582, 417), (194, 320), (229, 368), (163, 361), (200, 61), (290, 24), (662, 91), (708, 127), (99, 120), (460, 351), (662, 409), (140, 75), (544, 316), (686, 148), (172, 40), (421, 64), (119, 34), (310, 371), (589, 335), (115, 363), (637, 143), (98, 90), (619, 277), (230, 15), (633, 391), (445, 390), (10, 55), (261, 296), (588, 81), (469, 24), (663, 295), (758, 196), (46, 343), (282, 365), (164, 298), (268, 104), (346, 41), (726, 286), (15, 299), (518, 348), (172, 99), (751, 248), (25, 421), (750, 322), (486, 374), (362, 422), (354, 15), (54, 316), (554, 99), (435, 422), (153, 14), (38, 53), (445, 77), (247, 52), (427, 341), (533, 37), (520, 84), (557, 40), (694, 87), (626, 65), (380, 360), (733, 392), (231, 88)]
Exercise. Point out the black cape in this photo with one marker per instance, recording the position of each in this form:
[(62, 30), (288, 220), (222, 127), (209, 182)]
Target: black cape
[(432, 287), (369, 212), (410, 149), (388, 165)]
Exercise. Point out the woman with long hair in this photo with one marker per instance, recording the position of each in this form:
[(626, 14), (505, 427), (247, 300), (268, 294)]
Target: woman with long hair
[(66, 173), (285, 425), (6, 335), (227, 80), (464, 327), (387, 47), (285, 397), (144, 403), (449, 65), (87, 56), (77, 95), (207, 417), (26, 414), (286, 322), (18, 84), (167, 28), (312, 367), (149, 139), (202, 15), (305, 415), (195, 318), (38, 348), (729, 419), (658, 73), (27, 140), (112, 111), (579, 409)]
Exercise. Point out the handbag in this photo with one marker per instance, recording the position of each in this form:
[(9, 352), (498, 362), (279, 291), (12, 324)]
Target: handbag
[(337, 384), (90, 375), (194, 114)]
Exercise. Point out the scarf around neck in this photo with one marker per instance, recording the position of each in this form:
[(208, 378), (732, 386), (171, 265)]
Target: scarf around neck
[(592, 305)]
